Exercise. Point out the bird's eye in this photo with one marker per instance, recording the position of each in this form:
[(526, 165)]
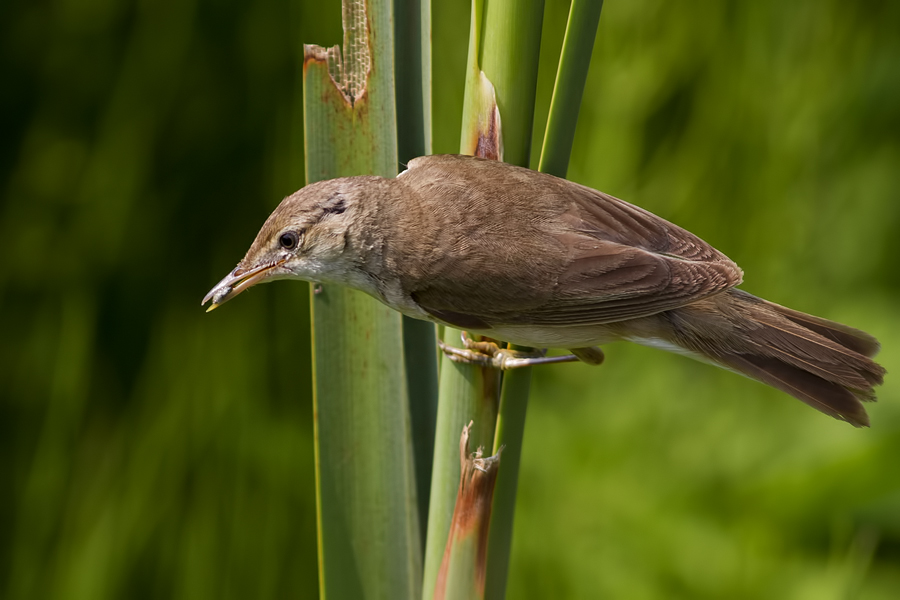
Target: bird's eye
[(288, 240)]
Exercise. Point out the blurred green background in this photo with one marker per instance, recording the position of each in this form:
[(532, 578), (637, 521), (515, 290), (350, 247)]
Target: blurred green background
[(152, 451)]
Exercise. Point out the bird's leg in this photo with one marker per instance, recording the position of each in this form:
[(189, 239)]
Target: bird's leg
[(489, 354)]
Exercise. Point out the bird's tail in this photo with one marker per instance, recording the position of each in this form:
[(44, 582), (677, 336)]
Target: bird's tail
[(825, 364)]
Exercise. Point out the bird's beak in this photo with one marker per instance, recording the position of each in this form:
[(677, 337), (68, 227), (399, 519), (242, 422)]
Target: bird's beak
[(236, 282)]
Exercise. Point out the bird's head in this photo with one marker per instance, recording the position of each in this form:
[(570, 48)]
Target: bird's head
[(304, 238)]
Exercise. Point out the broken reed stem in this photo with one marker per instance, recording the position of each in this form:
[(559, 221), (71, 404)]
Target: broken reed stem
[(464, 565)]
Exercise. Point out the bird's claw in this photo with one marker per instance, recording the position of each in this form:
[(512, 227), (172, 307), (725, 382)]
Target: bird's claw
[(489, 354)]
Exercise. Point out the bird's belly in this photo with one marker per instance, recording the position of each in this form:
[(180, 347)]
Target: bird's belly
[(580, 336)]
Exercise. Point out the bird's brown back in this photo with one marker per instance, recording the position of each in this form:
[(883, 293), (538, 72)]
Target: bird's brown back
[(514, 246)]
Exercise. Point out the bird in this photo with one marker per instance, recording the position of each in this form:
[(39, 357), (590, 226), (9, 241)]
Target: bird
[(535, 260)]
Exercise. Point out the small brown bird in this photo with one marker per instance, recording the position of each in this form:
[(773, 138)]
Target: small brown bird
[(529, 258)]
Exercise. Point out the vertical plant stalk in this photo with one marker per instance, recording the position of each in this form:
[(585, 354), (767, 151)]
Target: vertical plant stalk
[(509, 435), (466, 393), (504, 47), (463, 568), (481, 134), (512, 39), (510, 52), (412, 54), (368, 528), (574, 61), (581, 28)]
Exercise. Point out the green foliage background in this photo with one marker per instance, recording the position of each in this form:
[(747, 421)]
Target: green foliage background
[(152, 451)]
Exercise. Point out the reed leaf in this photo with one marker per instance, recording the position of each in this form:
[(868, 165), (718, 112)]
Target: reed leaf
[(368, 528)]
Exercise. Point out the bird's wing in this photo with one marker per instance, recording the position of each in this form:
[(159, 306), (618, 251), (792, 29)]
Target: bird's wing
[(626, 263), (602, 260)]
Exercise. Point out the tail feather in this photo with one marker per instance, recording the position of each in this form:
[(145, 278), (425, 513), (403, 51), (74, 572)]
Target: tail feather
[(825, 364), (810, 351), (848, 337), (823, 395)]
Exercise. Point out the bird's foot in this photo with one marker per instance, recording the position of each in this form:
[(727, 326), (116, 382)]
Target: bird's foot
[(489, 354)]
